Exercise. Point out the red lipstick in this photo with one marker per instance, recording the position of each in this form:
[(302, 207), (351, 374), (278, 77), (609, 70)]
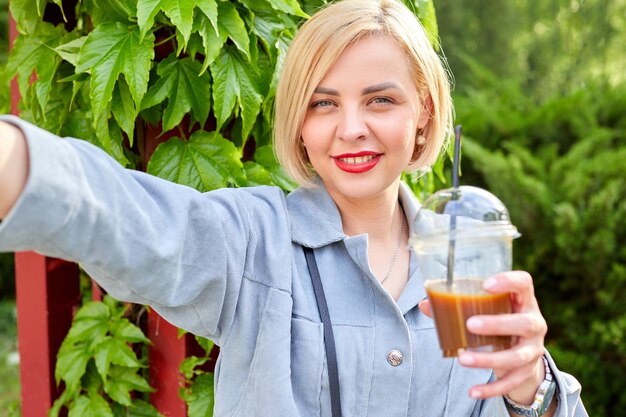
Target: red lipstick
[(357, 163)]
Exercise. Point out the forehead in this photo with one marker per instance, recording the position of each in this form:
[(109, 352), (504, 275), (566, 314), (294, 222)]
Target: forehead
[(374, 58)]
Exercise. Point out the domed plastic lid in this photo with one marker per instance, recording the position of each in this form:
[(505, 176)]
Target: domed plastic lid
[(477, 212)]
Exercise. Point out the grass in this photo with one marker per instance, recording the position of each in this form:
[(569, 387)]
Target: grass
[(9, 368)]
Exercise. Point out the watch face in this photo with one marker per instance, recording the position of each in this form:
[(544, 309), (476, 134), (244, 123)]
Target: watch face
[(547, 398)]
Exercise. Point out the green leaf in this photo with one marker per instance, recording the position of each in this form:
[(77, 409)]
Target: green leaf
[(269, 26), (282, 45), (146, 11), (184, 90), (108, 136), (206, 162), (114, 351), (209, 9), (92, 381), (230, 23), (180, 12), (291, 7), (188, 365), (112, 49), (102, 11), (122, 382), (93, 310), (428, 18), (212, 41), (138, 408), (205, 344), (69, 51), (234, 88), (71, 363), (126, 331), (66, 396), (92, 406), (88, 330), (27, 14), (90, 324), (35, 54), (123, 108), (200, 399), (256, 174), (264, 155)]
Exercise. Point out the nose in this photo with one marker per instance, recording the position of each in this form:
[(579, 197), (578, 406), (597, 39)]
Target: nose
[(352, 124)]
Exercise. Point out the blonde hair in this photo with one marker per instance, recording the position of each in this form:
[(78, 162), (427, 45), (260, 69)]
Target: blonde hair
[(319, 43)]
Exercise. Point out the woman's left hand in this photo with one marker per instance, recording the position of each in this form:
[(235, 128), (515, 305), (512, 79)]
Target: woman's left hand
[(519, 370)]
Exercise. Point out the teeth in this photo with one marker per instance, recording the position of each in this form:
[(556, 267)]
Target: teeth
[(358, 159)]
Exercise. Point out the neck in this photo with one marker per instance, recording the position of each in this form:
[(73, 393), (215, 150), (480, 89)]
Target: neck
[(378, 216)]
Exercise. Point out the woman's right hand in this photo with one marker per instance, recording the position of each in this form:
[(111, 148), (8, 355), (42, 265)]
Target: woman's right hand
[(13, 166)]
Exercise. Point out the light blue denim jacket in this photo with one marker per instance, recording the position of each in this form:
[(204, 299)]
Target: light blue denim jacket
[(228, 265)]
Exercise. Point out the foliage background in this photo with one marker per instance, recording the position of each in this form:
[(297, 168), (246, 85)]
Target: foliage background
[(540, 91)]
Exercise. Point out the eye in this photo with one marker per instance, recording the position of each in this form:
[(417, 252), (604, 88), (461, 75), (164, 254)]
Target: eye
[(382, 100), (321, 104)]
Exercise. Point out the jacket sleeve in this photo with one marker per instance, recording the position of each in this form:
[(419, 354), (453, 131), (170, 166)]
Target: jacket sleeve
[(144, 239), (567, 396)]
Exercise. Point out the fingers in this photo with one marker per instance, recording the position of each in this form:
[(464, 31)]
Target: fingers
[(507, 383), (424, 307), (503, 361), (519, 283), (526, 325), (519, 369)]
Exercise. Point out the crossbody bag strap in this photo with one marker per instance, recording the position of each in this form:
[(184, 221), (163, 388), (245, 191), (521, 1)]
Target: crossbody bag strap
[(329, 338)]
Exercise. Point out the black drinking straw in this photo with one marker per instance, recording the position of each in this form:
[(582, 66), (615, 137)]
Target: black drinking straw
[(455, 196)]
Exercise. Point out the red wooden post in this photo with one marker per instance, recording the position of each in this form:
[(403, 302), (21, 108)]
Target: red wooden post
[(47, 290), (166, 354), (47, 293)]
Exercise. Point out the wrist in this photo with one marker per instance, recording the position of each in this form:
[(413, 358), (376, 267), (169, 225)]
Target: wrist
[(525, 393), (542, 400)]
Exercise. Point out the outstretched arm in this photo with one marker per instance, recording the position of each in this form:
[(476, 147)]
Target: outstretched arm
[(13, 166)]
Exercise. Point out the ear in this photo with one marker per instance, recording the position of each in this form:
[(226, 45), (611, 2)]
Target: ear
[(426, 113)]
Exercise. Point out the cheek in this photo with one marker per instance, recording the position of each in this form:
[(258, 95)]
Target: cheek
[(402, 133), (314, 135)]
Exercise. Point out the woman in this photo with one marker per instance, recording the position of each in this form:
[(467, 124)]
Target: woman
[(362, 97)]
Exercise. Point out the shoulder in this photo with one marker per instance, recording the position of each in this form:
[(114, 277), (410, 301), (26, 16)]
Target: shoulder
[(268, 201)]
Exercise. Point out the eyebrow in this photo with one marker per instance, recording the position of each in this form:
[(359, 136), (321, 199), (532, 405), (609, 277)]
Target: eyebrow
[(367, 90), (379, 87), (325, 90)]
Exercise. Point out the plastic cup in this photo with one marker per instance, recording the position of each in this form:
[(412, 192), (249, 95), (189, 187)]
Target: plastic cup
[(477, 244)]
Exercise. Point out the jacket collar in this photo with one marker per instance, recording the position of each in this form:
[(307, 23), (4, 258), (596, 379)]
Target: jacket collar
[(315, 219)]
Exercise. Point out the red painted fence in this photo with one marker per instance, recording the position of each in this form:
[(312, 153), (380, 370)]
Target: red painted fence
[(47, 292)]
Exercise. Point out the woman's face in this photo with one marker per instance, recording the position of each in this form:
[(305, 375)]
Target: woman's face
[(361, 123)]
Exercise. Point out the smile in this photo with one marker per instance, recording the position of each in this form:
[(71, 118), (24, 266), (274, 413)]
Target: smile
[(358, 159), (357, 163)]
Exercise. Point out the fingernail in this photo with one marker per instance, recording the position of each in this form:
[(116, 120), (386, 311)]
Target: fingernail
[(474, 323), (476, 393), (490, 283), (466, 359)]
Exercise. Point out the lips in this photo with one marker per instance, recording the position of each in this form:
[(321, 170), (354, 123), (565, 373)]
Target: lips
[(356, 163)]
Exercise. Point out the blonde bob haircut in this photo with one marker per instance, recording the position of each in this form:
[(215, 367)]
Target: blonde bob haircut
[(317, 46)]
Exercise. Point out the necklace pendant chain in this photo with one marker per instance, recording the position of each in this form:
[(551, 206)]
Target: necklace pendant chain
[(395, 252)]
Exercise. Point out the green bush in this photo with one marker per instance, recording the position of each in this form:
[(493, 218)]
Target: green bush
[(559, 167), (202, 74)]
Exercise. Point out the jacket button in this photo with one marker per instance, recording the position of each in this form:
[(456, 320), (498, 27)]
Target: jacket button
[(394, 357)]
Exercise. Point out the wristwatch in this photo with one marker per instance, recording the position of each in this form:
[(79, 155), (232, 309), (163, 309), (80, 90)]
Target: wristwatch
[(543, 397)]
